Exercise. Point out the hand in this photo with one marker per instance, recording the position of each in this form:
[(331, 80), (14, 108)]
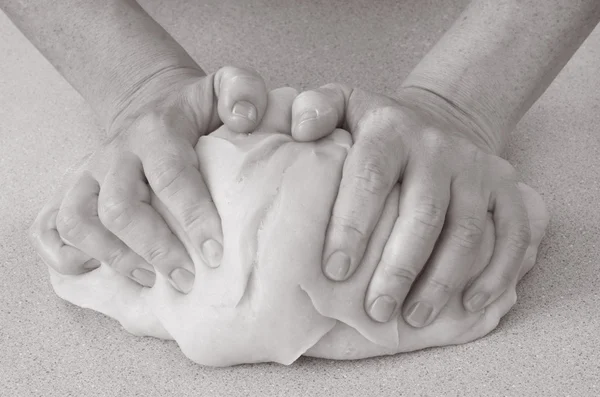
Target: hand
[(104, 214), (450, 179)]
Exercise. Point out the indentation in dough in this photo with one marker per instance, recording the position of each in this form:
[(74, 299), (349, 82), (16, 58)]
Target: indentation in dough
[(262, 219)]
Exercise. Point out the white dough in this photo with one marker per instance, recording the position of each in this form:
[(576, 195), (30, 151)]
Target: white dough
[(269, 301)]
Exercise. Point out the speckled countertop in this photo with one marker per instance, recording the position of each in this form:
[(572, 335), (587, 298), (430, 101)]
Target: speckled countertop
[(548, 345)]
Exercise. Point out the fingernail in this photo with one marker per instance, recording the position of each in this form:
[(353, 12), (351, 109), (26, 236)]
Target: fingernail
[(382, 309), (419, 313), (182, 279), (337, 266), (244, 109), (308, 115), (144, 277), (91, 264), (477, 302), (213, 253)]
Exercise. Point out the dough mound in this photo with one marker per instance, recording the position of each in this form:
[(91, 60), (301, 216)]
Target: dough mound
[(269, 301)]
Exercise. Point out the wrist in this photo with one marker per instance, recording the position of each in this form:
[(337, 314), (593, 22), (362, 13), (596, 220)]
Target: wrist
[(144, 82), (146, 89), (454, 104)]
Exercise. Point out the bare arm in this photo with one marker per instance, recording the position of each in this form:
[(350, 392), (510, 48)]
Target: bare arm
[(105, 49), (442, 137), (155, 102), (501, 55)]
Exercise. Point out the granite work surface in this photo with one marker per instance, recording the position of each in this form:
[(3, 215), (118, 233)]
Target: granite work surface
[(548, 345)]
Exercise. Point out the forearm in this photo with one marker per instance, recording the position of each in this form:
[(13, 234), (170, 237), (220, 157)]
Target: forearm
[(500, 56), (107, 50)]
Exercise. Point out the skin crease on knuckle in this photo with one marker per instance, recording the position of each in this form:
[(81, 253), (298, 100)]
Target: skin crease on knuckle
[(376, 170), (440, 286), (520, 238), (195, 217), (371, 177), (200, 117), (156, 254), (381, 125), (397, 274), (115, 261), (165, 171), (467, 232), (72, 221), (430, 216), (114, 211), (348, 224), (70, 225), (427, 217)]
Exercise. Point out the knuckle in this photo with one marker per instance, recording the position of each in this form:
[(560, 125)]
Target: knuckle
[(385, 114), (383, 118), (165, 172), (504, 279), (236, 76), (333, 94), (150, 124), (71, 225), (309, 100), (468, 232), (196, 217), (371, 177), (347, 225), (505, 169), (156, 254), (115, 211), (115, 259), (441, 284), (399, 273), (428, 216), (155, 128), (433, 141), (520, 239)]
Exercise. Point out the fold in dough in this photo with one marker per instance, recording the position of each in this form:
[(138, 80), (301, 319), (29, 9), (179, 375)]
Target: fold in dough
[(269, 301)]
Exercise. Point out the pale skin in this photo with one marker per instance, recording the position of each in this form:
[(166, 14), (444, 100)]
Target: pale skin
[(442, 137), (155, 102)]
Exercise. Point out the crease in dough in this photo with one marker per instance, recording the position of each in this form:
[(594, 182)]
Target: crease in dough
[(269, 301)]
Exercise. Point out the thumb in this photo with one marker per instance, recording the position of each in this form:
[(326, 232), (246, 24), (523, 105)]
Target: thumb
[(317, 113), (231, 96), (241, 98)]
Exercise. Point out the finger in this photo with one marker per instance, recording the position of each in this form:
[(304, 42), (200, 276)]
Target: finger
[(78, 224), (371, 169), (46, 240), (537, 213), (340, 137), (171, 167), (538, 222), (242, 98), (278, 115), (449, 266), (317, 113), (424, 198), (124, 209), (513, 237)]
